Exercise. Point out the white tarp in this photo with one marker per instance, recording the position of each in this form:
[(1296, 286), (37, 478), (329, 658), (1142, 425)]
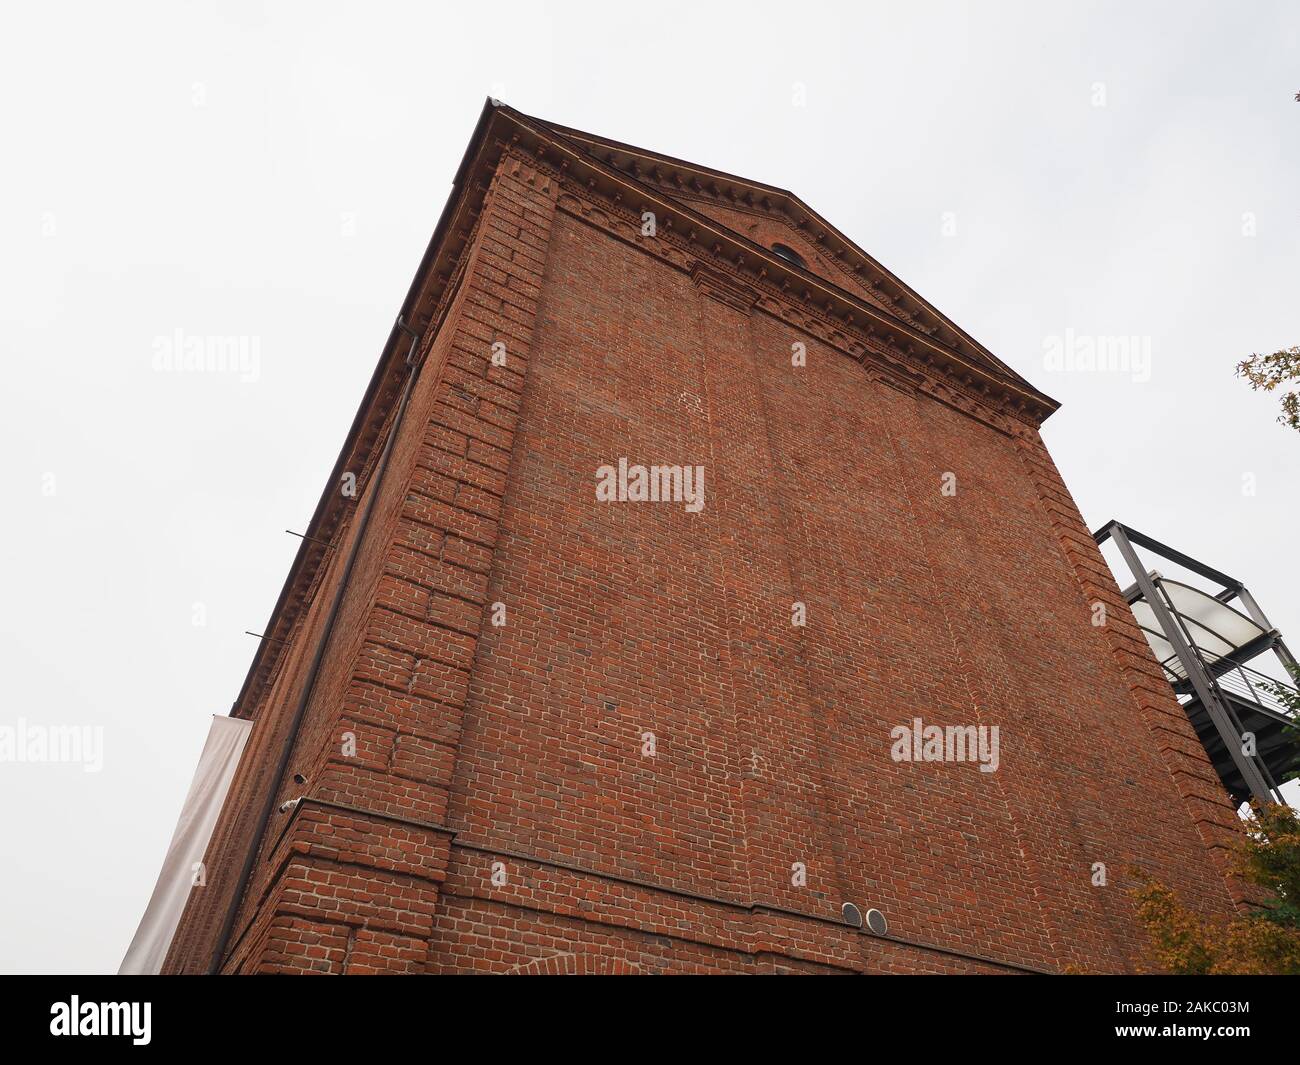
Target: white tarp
[(198, 817)]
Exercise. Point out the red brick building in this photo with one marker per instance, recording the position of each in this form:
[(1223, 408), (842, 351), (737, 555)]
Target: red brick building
[(505, 724)]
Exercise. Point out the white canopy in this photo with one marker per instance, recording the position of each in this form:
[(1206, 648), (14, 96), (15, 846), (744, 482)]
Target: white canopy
[(1215, 628)]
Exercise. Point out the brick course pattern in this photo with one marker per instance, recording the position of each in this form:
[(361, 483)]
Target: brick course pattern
[(479, 797)]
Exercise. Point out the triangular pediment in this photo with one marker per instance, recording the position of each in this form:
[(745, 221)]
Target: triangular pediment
[(769, 217)]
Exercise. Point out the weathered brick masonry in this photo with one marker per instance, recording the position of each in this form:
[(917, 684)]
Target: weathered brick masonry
[(478, 797)]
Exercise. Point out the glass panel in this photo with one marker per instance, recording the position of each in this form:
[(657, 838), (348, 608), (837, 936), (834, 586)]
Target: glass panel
[(1215, 627)]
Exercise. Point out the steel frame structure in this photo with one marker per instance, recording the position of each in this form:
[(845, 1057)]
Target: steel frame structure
[(1202, 676)]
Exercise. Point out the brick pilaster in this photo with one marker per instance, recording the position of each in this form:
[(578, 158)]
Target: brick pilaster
[(349, 881), (1202, 793)]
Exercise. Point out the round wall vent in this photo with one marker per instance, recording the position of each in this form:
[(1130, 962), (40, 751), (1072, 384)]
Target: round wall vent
[(852, 915), (877, 923)]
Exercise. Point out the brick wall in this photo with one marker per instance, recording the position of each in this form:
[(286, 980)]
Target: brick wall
[(500, 811)]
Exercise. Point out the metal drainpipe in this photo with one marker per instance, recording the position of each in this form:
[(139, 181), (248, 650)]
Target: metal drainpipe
[(318, 657)]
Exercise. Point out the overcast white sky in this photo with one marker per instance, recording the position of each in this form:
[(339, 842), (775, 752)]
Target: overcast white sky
[(274, 171)]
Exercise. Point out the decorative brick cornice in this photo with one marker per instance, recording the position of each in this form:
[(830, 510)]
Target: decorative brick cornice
[(723, 288), (690, 182), (902, 363), (966, 379)]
